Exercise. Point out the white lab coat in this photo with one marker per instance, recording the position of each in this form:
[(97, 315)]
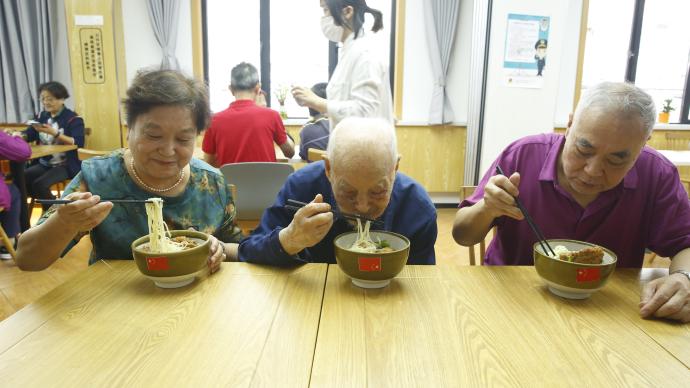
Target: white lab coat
[(360, 84)]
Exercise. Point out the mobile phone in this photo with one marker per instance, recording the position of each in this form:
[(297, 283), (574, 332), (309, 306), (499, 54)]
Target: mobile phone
[(32, 122)]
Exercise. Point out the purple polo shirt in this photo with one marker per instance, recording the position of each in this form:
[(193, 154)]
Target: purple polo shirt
[(648, 209), (11, 148)]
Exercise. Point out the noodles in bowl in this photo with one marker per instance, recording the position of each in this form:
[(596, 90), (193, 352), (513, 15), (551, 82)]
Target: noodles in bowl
[(170, 258), (369, 265), (365, 244)]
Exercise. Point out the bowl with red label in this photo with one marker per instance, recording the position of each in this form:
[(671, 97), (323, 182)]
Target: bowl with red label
[(176, 268), (375, 267), (575, 269)]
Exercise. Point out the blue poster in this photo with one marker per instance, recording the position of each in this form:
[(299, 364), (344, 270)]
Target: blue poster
[(526, 47)]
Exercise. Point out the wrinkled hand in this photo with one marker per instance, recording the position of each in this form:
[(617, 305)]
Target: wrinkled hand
[(85, 213), (667, 297), (216, 254), (499, 196), (308, 227), (303, 96)]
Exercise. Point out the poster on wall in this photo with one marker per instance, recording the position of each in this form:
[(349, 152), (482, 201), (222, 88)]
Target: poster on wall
[(526, 46)]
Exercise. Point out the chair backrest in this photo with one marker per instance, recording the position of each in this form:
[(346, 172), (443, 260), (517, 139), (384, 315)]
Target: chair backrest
[(315, 154), (466, 191), (257, 184), (677, 141)]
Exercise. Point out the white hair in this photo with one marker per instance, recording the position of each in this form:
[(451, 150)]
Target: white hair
[(361, 138), (622, 98)]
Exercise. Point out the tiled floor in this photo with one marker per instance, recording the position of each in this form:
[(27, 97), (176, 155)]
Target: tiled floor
[(18, 288)]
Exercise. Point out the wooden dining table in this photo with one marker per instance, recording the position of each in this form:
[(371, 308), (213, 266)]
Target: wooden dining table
[(17, 169), (110, 326), (252, 325)]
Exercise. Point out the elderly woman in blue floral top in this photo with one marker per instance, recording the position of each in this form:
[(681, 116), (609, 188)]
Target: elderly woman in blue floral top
[(165, 112)]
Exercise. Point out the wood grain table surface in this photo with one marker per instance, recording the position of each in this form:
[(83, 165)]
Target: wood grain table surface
[(246, 325), (38, 151), (493, 326)]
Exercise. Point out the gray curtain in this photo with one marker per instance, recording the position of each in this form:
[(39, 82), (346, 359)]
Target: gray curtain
[(164, 16), (441, 20), (28, 37)]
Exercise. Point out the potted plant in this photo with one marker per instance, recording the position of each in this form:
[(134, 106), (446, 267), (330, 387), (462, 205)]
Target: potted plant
[(281, 94), (665, 111)]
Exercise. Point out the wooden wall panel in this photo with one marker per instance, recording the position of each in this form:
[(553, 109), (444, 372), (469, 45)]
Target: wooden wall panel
[(95, 93), (432, 155)]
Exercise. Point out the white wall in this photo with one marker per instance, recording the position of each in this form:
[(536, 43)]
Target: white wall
[(142, 49), (511, 112), (417, 75)]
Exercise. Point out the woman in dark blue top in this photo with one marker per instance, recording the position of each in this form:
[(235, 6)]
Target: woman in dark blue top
[(56, 125)]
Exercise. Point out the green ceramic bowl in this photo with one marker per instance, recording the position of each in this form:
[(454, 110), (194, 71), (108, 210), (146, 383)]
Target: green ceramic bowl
[(573, 280), (174, 269), (372, 270)]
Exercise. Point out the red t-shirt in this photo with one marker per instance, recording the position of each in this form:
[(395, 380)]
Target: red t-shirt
[(244, 132)]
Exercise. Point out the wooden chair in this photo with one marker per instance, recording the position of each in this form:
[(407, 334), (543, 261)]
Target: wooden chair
[(6, 240), (678, 141), (466, 191), (315, 154)]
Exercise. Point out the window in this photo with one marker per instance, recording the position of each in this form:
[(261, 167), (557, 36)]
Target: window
[(299, 53), (664, 52), (232, 36), (659, 65), (606, 49)]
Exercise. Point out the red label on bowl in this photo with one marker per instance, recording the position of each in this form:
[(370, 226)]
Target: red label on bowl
[(369, 264), (588, 275), (157, 263)]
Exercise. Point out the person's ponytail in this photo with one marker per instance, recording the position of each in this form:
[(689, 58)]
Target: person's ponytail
[(378, 18)]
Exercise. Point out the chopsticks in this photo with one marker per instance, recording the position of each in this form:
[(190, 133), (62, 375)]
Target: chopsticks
[(530, 221), (296, 205), (66, 201)]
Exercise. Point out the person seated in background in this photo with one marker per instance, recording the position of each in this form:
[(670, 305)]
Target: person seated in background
[(12, 148), (245, 132), (57, 124), (599, 183), (358, 176), (165, 112), (316, 132)]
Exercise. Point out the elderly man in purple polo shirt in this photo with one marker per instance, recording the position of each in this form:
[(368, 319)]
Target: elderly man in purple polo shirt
[(598, 183)]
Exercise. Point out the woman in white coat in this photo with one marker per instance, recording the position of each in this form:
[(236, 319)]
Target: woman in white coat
[(359, 85)]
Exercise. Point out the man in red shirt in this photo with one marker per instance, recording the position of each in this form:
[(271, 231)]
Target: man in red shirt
[(245, 132)]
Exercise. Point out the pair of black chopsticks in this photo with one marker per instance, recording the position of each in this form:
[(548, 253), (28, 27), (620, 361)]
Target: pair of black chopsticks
[(542, 241), (296, 205), (66, 201)]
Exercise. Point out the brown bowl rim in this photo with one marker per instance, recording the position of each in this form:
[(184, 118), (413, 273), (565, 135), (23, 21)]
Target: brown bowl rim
[(407, 240), (610, 252), (173, 233)]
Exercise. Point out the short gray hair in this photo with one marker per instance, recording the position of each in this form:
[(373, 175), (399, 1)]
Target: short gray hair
[(244, 77), (356, 137), (622, 98)]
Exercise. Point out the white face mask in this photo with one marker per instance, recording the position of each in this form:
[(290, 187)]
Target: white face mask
[(330, 30)]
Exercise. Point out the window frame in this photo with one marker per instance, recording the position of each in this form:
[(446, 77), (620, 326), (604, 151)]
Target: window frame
[(634, 52), (265, 46)]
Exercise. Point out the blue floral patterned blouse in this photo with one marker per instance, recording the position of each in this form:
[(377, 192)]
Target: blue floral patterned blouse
[(205, 205)]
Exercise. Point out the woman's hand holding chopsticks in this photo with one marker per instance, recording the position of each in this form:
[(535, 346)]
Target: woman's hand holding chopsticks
[(85, 213)]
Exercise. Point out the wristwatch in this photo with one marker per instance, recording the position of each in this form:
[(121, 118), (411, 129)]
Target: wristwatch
[(683, 272)]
